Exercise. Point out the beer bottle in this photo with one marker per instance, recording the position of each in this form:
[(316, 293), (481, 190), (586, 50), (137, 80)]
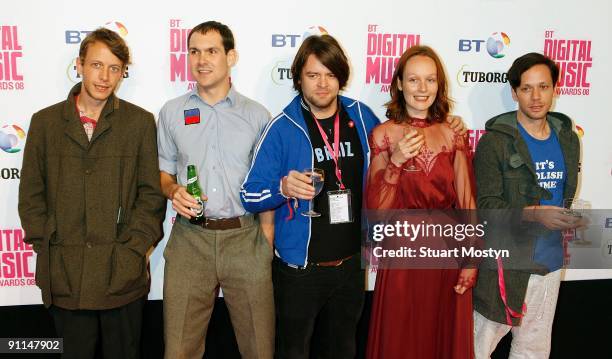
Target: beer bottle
[(193, 188)]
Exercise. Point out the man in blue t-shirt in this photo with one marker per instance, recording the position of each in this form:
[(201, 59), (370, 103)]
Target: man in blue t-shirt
[(549, 164), (525, 165)]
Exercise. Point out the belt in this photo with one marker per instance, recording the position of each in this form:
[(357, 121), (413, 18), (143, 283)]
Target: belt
[(335, 263), (222, 223)]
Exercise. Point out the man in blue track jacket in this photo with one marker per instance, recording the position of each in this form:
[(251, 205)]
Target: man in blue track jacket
[(317, 273)]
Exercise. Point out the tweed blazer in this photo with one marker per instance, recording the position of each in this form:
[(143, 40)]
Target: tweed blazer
[(91, 208)]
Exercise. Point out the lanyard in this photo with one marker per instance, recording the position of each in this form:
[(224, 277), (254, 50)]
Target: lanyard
[(334, 151), (502, 291)]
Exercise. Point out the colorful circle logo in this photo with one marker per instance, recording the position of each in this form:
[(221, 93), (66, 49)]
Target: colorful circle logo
[(497, 44), (11, 138), (580, 131), (117, 27), (314, 30)]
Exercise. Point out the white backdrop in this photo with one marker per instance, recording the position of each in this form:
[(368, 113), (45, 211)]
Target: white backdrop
[(39, 41)]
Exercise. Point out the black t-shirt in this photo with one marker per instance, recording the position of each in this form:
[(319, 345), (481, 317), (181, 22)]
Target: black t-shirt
[(336, 241)]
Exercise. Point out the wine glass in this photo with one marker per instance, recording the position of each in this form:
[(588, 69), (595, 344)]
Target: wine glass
[(575, 207), (578, 208), (317, 176), (572, 207), (412, 167)]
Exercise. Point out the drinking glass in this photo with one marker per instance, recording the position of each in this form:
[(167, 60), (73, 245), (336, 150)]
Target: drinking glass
[(412, 167), (317, 175), (576, 207)]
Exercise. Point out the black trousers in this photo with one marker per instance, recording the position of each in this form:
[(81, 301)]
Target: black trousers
[(117, 329), (322, 304)]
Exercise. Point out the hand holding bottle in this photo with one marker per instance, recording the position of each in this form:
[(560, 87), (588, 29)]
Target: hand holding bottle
[(183, 202)]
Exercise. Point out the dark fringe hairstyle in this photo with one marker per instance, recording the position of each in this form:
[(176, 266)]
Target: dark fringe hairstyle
[(327, 50)]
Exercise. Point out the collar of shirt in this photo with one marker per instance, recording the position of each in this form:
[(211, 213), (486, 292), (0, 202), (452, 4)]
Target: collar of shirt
[(84, 119), (230, 98), (306, 108), (304, 105)]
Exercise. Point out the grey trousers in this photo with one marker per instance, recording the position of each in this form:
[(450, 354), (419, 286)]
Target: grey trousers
[(531, 339), (198, 261)]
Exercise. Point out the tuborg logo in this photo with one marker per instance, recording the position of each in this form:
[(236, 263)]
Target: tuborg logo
[(465, 76), (281, 73), (10, 173)]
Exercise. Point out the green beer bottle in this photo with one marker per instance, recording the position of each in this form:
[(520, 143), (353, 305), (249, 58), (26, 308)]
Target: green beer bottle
[(193, 188)]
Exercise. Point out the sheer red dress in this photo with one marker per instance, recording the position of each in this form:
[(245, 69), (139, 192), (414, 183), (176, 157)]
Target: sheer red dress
[(416, 313)]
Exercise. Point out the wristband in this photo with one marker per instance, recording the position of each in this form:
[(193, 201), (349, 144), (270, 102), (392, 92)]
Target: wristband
[(280, 188)]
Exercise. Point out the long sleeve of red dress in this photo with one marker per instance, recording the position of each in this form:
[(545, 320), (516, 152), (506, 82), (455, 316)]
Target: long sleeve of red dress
[(445, 177)]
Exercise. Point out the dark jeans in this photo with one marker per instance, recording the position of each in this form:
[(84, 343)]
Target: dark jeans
[(118, 328), (328, 299)]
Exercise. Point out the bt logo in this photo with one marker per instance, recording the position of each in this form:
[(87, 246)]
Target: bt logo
[(76, 36), (495, 45), (293, 40)]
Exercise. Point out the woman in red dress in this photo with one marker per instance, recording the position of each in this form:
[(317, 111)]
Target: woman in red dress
[(420, 313)]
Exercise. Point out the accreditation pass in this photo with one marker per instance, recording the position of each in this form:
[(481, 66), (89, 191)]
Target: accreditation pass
[(340, 206)]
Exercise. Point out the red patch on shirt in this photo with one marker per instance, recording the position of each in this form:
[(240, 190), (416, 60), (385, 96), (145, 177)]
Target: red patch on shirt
[(192, 116)]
